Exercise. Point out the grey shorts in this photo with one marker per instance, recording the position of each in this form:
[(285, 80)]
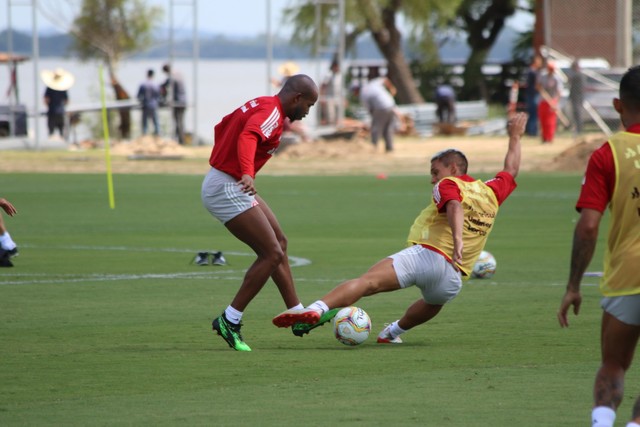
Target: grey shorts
[(222, 197), (429, 271), (625, 308)]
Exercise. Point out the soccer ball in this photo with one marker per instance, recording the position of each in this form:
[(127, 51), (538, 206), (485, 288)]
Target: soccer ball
[(351, 326), (485, 266)]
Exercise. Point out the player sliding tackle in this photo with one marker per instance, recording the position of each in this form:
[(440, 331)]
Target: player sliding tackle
[(444, 242)]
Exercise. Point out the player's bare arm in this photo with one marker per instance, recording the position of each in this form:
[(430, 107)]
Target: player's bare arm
[(584, 244), (456, 220), (515, 129)]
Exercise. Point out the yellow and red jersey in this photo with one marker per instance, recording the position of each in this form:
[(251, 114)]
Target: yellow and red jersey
[(480, 202)]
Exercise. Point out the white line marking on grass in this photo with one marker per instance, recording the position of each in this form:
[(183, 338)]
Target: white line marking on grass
[(93, 277), (293, 260)]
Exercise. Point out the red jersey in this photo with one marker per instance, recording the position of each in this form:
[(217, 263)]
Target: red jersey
[(599, 179), (502, 185), (245, 139)]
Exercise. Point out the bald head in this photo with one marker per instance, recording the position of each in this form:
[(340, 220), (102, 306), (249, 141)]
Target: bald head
[(298, 95)]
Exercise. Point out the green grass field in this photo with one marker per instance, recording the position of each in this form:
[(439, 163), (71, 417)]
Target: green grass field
[(106, 322)]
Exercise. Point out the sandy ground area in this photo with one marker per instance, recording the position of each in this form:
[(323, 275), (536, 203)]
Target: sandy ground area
[(340, 157)]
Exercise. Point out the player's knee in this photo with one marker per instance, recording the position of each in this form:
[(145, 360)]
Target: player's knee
[(284, 242)]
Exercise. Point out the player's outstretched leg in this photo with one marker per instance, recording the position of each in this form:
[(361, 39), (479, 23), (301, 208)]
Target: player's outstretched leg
[(296, 315), (300, 329)]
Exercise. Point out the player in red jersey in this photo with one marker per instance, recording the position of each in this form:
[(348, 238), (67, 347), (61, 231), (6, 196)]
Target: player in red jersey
[(244, 141), (444, 242), (612, 180)]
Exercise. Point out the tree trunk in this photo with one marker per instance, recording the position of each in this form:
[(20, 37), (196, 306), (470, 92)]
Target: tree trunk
[(389, 41), (474, 84), (483, 30), (120, 93)]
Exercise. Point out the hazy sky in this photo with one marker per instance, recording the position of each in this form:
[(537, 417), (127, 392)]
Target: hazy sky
[(230, 17)]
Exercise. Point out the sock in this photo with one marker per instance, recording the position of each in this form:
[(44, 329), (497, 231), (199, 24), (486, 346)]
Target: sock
[(319, 306), (632, 424), (233, 315), (6, 241), (395, 330), (602, 416), (297, 307)]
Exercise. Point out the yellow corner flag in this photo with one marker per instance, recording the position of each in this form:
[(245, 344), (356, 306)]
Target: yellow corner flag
[(105, 127)]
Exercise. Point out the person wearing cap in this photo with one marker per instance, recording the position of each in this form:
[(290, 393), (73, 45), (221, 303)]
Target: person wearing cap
[(549, 87), (56, 98), (444, 243)]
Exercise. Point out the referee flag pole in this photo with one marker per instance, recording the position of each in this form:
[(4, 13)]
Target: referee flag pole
[(105, 127)]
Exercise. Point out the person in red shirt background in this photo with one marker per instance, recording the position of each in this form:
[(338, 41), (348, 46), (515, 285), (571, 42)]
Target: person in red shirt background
[(444, 243), (612, 179), (244, 141)]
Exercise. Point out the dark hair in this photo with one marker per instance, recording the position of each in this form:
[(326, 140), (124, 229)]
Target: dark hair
[(150, 73), (452, 156), (166, 68), (630, 88)]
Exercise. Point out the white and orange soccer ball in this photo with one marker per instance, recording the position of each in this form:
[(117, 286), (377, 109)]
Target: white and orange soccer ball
[(485, 266), (352, 326)]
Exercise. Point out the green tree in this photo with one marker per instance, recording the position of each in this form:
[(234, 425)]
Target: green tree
[(482, 20), (379, 19), (108, 30)]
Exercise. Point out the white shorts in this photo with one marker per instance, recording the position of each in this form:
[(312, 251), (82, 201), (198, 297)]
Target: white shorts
[(222, 196), (624, 308), (429, 271)]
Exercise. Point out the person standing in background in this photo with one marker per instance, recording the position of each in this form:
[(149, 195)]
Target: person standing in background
[(8, 247), (549, 87), (331, 90), (532, 95), (576, 95), (377, 96), (56, 98), (612, 180), (149, 97), (173, 88), (446, 103)]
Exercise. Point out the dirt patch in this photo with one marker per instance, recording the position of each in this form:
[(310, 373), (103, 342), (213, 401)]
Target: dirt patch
[(576, 157), (336, 157)]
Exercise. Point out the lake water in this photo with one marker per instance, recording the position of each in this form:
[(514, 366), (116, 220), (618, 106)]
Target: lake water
[(218, 88)]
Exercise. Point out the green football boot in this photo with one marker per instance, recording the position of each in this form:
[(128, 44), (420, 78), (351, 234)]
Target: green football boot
[(299, 329), (230, 332)]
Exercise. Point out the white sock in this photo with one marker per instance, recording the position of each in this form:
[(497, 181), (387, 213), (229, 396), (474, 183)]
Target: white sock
[(319, 306), (7, 242), (395, 330), (297, 307), (233, 315), (632, 424), (602, 416)]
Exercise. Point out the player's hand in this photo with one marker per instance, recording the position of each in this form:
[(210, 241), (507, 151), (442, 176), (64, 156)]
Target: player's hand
[(246, 184), (8, 207), (456, 256), (517, 124), (570, 298)]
